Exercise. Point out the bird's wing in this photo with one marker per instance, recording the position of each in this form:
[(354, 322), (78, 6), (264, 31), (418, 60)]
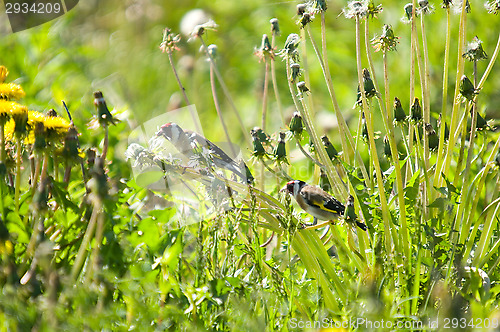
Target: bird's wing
[(328, 204)]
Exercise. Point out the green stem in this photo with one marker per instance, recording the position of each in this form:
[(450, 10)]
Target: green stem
[(181, 87), (2, 142), (373, 150), (397, 168), (454, 113), (18, 171), (275, 85), (444, 108), (105, 144), (226, 91), (217, 108), (344, 130), (301, 106), (82, 251)]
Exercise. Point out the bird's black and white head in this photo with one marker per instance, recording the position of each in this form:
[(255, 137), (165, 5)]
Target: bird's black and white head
[(294, 187), (171, 131)]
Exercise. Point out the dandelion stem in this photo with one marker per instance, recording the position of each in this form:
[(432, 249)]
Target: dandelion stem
[(226, 91), (490, 65), (82, 251), (98, 239), (181, 87), (454, 113), (444, 107), (217, 108), (106, 142), (275, 84), (344, 130), (2, 142), (373, 150), (397, 168), (82, 167), (18, 171)]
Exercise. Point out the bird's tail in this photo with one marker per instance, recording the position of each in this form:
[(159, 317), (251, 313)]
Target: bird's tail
[(361, 225)]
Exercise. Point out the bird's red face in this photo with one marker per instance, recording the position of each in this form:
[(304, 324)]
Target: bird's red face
[(293, 187), (170, 131)]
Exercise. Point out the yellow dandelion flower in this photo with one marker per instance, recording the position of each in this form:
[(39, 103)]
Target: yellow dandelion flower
[(11, 91), (3, 73), (9, 130), (9, 108), (35, 117), (56, 127)]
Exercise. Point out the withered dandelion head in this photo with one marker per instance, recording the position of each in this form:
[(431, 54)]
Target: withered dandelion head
[(492, 6), (169, 42), (356, 9), (475, 51), (265, 50), (387, 41)]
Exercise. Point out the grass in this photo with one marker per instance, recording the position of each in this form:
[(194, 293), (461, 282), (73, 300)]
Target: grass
[(100, 250)]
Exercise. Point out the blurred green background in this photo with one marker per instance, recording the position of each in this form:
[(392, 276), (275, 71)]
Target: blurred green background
[(113, 46)]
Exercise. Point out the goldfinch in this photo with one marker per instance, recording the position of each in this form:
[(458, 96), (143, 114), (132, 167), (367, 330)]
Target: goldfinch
[(317, 202), (187, 141)]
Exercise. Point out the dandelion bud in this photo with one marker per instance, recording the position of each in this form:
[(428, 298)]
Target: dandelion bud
[(103, 114), (295, 71), (275, 27), (291, 47), (416, 111), (481, 123), (446, 3), (258, 148), (212, 51), (296, 124), (301, 86), (279, 152), (305, 19), (70, 149), (330, 149), (467, 89), (3, 73), (323, 181), (370, 91), (432, 137), (301, 9), (387, 147), (261, 135), (408, 11), (399, 113)]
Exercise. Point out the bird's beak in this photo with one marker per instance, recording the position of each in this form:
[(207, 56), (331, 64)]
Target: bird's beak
[(283, 189)]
